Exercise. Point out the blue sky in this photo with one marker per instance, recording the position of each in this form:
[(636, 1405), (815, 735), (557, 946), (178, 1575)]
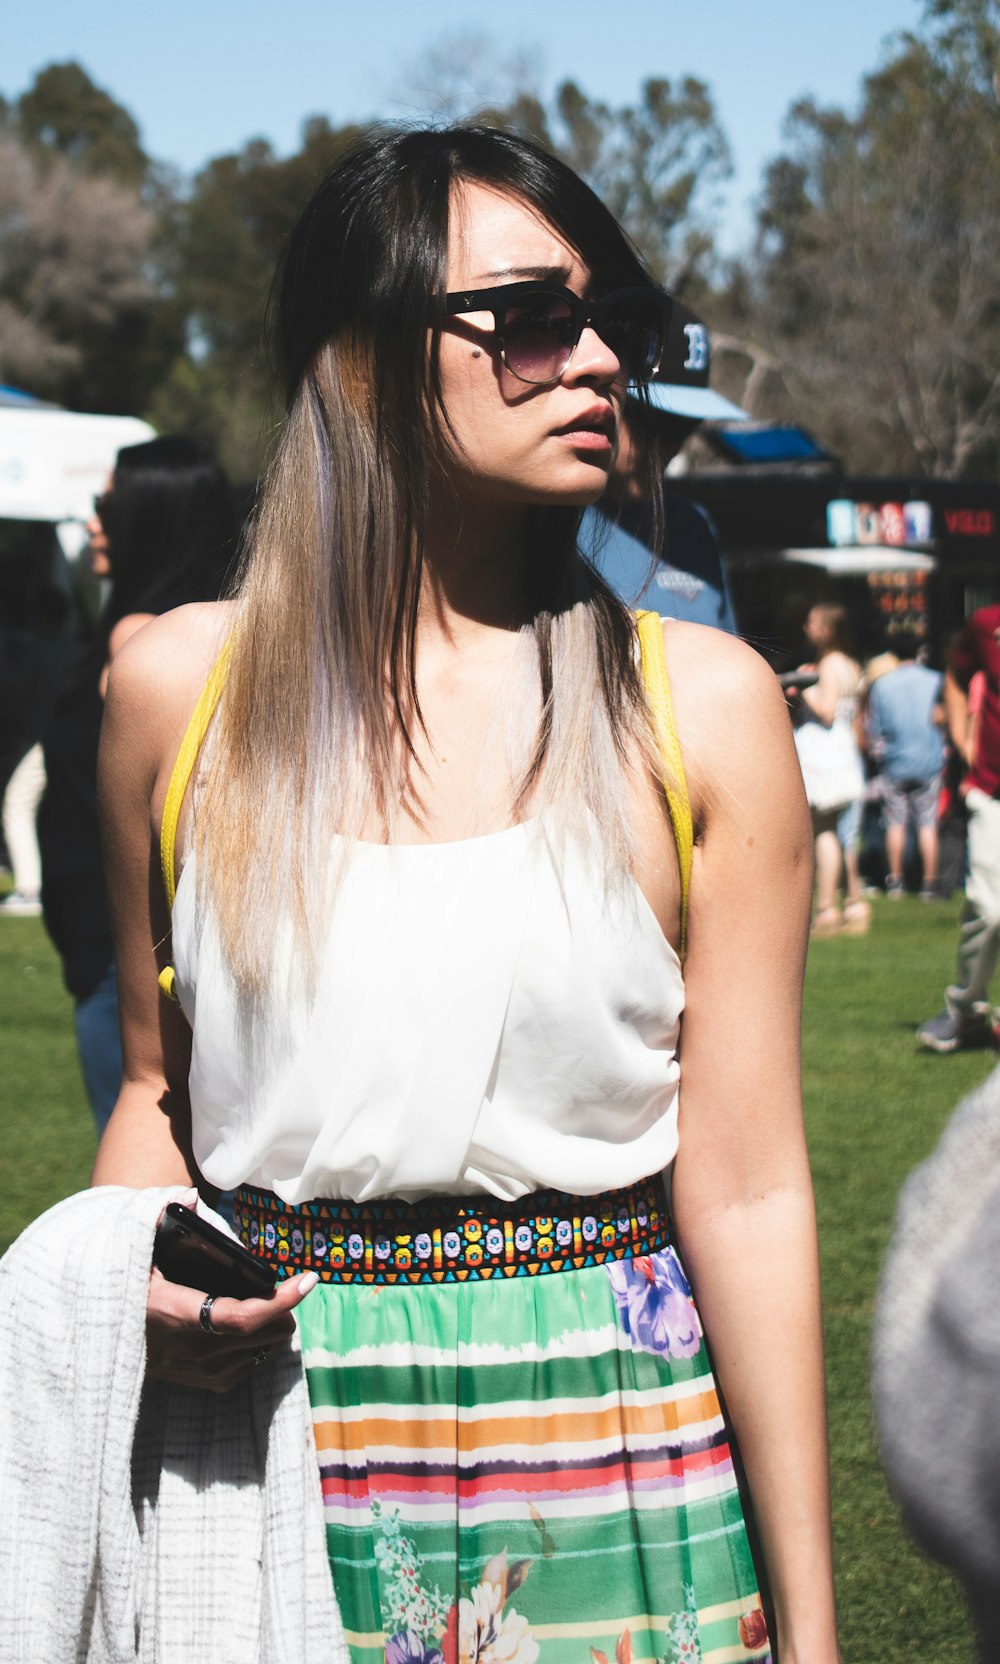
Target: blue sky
[(202, 76)]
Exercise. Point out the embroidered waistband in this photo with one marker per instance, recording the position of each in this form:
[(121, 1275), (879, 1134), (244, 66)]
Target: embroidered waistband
[(452, 1239)]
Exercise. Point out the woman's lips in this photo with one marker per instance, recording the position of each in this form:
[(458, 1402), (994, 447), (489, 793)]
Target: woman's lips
[(597, 440), (591, 429)]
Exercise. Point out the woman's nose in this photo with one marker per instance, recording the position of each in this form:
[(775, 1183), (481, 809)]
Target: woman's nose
[(593, 359)]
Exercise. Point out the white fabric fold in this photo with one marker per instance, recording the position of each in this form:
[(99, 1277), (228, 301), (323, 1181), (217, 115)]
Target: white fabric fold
[(486, 1018)]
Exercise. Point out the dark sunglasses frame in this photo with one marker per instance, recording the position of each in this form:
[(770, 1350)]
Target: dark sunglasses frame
[(583, 314), (101, 504)]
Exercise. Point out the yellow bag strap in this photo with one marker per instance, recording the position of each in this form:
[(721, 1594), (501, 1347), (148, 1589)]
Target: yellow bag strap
[(187, 756), (654, 672)]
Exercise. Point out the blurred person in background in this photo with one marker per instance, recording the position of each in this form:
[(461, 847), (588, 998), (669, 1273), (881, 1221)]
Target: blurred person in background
[(824, 716), (903, 721), (34, 662), (670, 562), (961, 710), (967, 1017), (871, 849), (163, 532), (20, 830)]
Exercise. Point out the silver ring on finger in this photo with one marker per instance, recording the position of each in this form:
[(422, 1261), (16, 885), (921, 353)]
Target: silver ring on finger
[(205, 1315), (260, 1356)]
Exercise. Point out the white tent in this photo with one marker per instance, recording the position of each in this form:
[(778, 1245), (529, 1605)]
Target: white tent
[(54, 462)]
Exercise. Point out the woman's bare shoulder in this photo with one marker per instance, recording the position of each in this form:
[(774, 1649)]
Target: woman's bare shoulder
[(157, 676), (125, 629), (709, 667), (168, 659), (732, 719)]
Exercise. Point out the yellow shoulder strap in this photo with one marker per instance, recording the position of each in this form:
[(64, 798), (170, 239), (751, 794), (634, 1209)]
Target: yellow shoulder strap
[(654, 671), (187, 756)]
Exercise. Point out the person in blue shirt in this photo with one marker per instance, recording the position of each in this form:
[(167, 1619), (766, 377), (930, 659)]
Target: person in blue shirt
[(679, 574), (904, 728)]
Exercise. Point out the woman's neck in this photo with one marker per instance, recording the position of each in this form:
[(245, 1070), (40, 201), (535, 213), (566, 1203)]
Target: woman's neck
[(474, 569)]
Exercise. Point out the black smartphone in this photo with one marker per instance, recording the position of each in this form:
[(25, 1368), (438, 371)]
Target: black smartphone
[(190, 1251)]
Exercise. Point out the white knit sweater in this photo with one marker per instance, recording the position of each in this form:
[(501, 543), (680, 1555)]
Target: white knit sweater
[(936, 1355), (154, 1525)]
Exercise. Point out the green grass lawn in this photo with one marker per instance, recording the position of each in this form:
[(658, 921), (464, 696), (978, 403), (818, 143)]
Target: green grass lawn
[(48, 1132), (875, 1105)]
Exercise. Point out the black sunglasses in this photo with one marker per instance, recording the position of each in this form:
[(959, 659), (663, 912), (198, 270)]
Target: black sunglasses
[(537, 326), (101, 505)]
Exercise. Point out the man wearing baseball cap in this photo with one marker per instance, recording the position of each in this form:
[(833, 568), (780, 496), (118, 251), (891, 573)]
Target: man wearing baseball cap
[(688, 578)]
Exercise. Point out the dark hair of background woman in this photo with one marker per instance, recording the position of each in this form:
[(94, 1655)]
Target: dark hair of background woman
[(171, 526)]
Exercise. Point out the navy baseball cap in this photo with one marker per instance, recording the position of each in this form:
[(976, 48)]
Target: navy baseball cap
[(680, 387)]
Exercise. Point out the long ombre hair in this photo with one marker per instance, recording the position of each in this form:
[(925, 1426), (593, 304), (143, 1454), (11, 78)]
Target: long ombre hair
[(314, 735)]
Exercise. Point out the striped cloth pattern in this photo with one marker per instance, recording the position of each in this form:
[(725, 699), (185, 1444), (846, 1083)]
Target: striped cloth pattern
[(533, 1469)]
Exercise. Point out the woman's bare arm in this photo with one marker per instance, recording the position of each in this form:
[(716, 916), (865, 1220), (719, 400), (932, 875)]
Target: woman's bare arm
[(742, 1192), (148, 701), (154, 686), (956, 717), (824, 696)]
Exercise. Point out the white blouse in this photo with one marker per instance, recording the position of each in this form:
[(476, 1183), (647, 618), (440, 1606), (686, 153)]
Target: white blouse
[(485, 1019)]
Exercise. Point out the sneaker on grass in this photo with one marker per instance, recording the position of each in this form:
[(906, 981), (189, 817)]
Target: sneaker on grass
[(948, 1033), (18, 905)]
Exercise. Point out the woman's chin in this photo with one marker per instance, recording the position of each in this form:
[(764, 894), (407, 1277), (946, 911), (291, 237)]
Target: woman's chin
[(589, 487), (590, 494)]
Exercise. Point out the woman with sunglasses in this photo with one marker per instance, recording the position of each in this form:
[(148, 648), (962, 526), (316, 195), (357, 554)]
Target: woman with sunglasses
[(436, 938)]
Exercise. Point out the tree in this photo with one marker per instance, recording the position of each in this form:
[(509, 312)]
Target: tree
[(80, 320), (64, 114), (876, 269), (84, 319), (222, 244), (967, 36), (655, 163), (464, 76)]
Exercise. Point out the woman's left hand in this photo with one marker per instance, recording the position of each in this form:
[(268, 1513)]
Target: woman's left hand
[(239, 1337)]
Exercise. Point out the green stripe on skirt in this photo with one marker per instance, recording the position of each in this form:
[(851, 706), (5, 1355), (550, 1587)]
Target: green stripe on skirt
[(529, 1469)]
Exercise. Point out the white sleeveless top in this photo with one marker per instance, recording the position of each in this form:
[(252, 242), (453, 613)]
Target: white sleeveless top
[(485, 1020)]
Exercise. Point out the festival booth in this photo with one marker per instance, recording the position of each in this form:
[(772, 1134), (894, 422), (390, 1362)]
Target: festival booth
[(900, 554)]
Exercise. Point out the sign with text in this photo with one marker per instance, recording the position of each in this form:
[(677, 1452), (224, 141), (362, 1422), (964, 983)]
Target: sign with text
[(970, 522), (899, 525)]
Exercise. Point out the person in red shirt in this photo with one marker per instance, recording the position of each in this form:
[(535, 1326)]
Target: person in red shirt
[(965, 1020)]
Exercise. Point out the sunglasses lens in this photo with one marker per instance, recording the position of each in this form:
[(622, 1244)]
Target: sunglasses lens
[(539, 337), (632, 326)]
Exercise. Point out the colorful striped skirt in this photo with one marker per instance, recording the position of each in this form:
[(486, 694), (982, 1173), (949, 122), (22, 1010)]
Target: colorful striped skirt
[(522, 1452)]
